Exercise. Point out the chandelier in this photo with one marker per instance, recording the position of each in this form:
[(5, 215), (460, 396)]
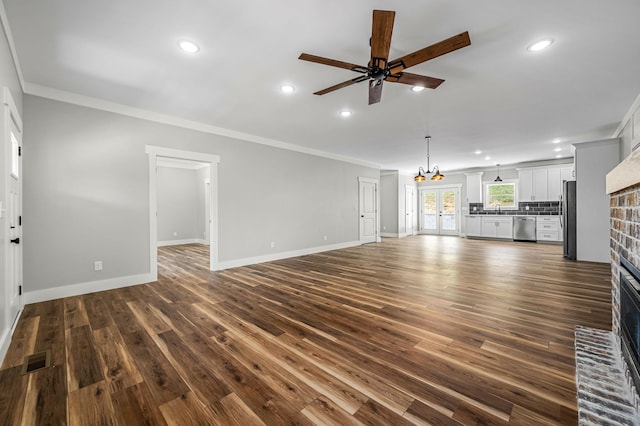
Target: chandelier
[(420, 177)]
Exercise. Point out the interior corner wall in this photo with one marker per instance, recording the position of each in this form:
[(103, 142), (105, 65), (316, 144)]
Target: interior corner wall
[(389, 204), (404, 180), (86, 194), (178, 204), (593, 160)]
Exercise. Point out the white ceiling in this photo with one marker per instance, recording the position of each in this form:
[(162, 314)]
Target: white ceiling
[(497, 97)]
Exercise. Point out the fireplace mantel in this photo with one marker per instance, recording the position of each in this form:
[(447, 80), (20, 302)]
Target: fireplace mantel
[(625, 174)]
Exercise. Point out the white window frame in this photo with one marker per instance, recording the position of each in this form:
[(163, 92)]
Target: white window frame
[(515, 194)]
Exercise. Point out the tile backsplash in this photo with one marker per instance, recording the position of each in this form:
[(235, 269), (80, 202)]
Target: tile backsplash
[(535, 209)]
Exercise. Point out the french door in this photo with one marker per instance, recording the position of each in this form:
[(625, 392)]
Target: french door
[(440, 211)]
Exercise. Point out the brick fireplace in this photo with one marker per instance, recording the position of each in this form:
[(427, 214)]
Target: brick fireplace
[(623, 186)]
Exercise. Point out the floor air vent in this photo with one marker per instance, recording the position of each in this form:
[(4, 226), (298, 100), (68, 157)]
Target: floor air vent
[(35, 362)]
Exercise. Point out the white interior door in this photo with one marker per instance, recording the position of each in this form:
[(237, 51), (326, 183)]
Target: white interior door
[(409, 208), (368, 202), (439, 211), (13, 151)]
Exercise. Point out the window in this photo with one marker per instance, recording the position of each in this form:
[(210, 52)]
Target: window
[(501, 195)]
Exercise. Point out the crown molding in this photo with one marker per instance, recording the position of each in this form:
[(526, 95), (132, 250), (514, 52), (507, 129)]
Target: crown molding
[(100, 104), (12, 47)]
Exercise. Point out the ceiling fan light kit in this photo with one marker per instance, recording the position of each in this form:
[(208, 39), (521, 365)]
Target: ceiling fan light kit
[(380, 69)]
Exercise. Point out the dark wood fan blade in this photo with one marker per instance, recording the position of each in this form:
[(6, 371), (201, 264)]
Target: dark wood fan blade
[(381, 30), (333, 63), (341, 85), (415, 80), (445, 46), (375, 91)]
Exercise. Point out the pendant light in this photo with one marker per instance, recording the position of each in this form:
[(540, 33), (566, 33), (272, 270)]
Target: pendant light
[(420, 177), (497, 179)]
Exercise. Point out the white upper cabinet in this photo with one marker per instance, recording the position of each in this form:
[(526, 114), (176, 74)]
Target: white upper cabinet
[(543, 183), (474, 187), (554, 184)]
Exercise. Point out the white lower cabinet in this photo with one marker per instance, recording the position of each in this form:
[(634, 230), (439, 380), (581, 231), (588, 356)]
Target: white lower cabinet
[(497, 227), (548, 228), (474, 226)]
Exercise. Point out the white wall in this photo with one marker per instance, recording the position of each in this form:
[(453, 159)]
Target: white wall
[(86, 194), (179, 203), (8, 78), (593, 161)]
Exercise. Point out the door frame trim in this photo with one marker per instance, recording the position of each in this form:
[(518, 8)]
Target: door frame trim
[(10, 113), (153, 153), (376, 182)]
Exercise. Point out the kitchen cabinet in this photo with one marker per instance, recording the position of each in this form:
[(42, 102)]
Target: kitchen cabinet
[(543, 183), (497, 227), (474, 226), (548, 228), (474, 187)]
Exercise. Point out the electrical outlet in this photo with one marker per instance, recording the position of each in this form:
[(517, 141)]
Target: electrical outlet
[(97, 265), (273, 244), (325, 238), (175, 233)]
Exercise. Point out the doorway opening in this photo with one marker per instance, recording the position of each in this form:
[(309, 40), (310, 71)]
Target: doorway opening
[(440, 210), (183, 217), (169, 235)]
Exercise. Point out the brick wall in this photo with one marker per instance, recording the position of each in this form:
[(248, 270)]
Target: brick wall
[(624, 241)]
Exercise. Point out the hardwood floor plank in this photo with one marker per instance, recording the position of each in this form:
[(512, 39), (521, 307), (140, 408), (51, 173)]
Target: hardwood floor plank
[(23, 342), (91, 405), (135, 406), (45, 396), (419, 330), (160, 376), (13, 388), (119, 369), (84, 366), (230, 410)]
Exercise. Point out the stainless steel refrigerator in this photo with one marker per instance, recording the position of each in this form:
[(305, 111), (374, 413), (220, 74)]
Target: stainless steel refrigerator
[(568, 219)]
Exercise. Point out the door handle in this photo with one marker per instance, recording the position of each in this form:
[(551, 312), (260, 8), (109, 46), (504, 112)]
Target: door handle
[(16, 240), (361, 215)]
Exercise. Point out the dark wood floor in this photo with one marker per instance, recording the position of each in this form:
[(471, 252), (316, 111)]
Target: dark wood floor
[(421, 330)]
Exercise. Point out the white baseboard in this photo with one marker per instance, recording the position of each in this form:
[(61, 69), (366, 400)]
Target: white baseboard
[(180, 242), (389, 235), (283, 255), (84, 288), (5, 339)]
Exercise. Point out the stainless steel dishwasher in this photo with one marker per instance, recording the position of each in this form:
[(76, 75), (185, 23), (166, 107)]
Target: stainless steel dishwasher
[(524, 228)]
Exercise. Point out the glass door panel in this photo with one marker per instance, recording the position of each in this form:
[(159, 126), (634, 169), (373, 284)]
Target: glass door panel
[(429, 211), (439, 211)]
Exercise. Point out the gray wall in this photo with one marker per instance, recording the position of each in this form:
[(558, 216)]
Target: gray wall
[(389, 203), (180, 197), (593, 161), (86, 194), (8, 78)]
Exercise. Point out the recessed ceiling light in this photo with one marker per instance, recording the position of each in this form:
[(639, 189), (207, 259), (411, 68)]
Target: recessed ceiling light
[(287, 88), (477, 152), (417, 88), (558, 149), (540, 45), (487, 158), (345, 113), (557, 140), (188, 46)]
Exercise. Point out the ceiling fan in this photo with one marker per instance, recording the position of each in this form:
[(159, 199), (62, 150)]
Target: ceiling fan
[(381, 69)]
